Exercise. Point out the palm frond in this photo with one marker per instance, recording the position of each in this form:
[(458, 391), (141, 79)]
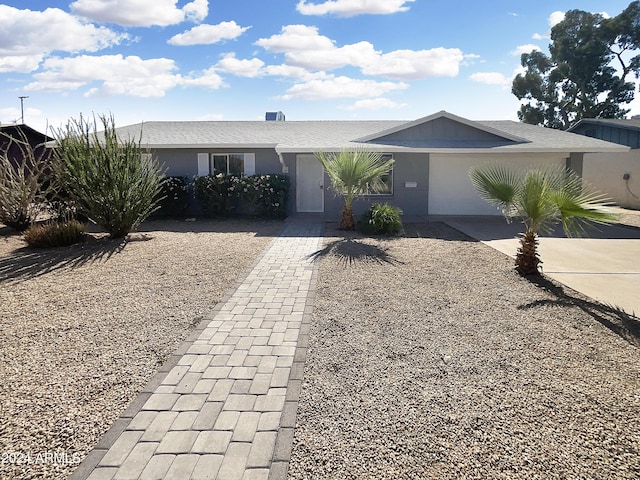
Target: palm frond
[(498, 186), (355, 172), (580, 204)]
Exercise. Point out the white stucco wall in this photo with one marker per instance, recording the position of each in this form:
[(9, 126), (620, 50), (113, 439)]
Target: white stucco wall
[(451, 191), (605, 172)]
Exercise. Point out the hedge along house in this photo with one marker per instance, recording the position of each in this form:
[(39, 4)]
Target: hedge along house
[(432, 156)]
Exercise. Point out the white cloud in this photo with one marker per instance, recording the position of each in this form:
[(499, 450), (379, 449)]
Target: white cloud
[(110, 75), (196, 11), (208, 34), (27, 36), (242, 68), (491, 78), (350, 8), (296, 38), (208, 79), (413, 65), (14, 114), (117, 74), (341, 87), (528, 48), (374, 104), (556, 17), (291, 71), (304, 47), (21, 63), (141, 13), (537, 36)]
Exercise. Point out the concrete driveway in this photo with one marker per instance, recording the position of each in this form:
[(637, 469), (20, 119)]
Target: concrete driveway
[(604, 266)]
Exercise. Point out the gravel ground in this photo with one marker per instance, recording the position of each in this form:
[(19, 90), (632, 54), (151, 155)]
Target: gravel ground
[(430, 358), (82, 329)]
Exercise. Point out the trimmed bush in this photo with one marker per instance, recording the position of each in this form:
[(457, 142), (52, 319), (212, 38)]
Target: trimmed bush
[(381, 219), (110, 180), (224, 195), (55, 234), (174, 197)]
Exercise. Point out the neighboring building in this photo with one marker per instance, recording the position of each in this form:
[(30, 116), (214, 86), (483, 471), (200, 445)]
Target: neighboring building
[(616, 173), (432, 155), (13, 137)]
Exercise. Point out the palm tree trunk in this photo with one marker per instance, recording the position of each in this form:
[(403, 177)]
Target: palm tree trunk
[(527, 258), (347, 221)]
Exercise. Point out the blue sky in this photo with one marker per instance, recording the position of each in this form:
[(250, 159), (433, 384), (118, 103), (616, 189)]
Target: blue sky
[(145, 60)]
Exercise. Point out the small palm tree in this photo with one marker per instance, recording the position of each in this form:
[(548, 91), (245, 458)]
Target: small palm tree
[(541, 198), (353, 174)]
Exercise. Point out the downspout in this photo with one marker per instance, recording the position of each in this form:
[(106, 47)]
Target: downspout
[(285, 169)]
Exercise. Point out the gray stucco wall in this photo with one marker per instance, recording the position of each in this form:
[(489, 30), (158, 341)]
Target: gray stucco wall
[(412, 200), (184, 162)]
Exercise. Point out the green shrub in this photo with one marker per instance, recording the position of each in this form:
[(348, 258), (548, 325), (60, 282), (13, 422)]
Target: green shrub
[(221, 195), (214, 195), (55, 234), (381, 219), (111, 180), (174, 197)]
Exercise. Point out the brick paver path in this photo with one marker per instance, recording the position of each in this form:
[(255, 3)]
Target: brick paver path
[(224, 406)]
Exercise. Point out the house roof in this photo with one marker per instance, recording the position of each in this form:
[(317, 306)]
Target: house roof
[(17, 130), (626, 123), (422, 135)]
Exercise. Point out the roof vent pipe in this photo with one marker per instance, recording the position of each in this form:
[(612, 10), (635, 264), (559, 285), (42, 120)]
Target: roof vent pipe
[(274, 117)]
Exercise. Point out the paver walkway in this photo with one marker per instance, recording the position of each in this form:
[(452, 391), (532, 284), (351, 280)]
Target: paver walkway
[(224, 406)]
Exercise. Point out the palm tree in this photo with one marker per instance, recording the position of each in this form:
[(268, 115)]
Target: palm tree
[(541, 198), (354, 173)]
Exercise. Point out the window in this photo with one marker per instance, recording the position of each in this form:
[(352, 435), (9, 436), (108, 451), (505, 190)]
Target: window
[(386, 179), (226, 164)]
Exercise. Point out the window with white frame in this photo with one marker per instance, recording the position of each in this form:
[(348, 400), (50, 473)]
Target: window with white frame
[(387, 180), (226, 164)]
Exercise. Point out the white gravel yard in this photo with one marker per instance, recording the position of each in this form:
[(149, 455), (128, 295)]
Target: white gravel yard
[(430, 358), (82, 329)]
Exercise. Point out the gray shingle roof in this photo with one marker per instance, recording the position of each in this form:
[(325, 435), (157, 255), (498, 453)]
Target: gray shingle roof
[(312, 136), (629, 123)]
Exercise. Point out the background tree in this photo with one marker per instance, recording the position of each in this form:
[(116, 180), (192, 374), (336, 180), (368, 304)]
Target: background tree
[(353, 174), (541, 198), (110, 180), (587, 72)]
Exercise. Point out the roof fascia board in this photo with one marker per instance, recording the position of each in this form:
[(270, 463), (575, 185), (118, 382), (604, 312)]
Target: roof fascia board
[(501, 150), (218, 146), (450, 116)]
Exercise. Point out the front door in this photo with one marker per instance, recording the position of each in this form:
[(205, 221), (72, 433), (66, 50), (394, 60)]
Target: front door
[(309, 184)]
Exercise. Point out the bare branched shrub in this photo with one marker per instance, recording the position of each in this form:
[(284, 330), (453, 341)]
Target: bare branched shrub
[(25, 182)]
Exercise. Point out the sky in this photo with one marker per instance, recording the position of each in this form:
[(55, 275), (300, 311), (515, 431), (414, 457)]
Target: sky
[(144, 60)]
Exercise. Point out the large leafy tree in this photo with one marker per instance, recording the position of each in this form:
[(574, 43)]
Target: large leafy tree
[(541, 198), (588, 71), (353, 174)]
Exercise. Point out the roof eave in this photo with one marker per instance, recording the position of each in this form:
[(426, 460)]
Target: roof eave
[(501, 150), (216, 146)]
